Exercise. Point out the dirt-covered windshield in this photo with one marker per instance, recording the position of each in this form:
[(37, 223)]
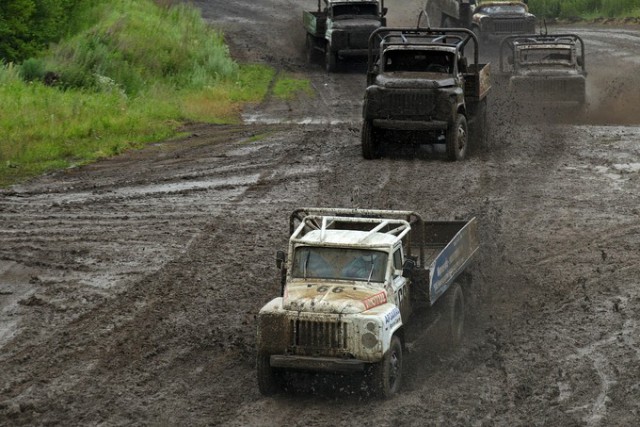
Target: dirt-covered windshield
[(415, 60), (533, 57), (501, 8), (339, 263), (349, 11)]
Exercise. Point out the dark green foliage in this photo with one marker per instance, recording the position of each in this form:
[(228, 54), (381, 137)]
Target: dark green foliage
[(28, 26), (584, 8), (32, 69)]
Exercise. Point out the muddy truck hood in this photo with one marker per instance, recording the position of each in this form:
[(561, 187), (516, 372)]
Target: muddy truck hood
[(548, 72), (503, 15), (356, 24), (336, 298), (414, 80)]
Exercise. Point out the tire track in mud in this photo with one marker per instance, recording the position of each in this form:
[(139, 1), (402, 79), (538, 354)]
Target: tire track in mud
[(149, 310)]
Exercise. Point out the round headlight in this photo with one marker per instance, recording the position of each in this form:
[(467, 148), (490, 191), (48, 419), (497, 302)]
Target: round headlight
[(369, 340)]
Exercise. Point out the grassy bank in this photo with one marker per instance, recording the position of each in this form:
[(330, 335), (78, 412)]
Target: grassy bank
[(585, 9), (111, 87)]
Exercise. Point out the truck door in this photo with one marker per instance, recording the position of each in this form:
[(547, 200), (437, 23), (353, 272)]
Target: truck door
[(400, 285)]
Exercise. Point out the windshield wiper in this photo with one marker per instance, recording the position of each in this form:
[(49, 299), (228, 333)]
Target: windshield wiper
[(304, 266), (370, 272)]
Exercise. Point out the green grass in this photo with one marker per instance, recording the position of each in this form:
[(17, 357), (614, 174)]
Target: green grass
[(117, 88), (289, 87), (585, 9)]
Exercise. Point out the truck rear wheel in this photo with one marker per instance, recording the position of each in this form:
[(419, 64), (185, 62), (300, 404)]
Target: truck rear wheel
[(386, 377), (457, 137), (370, 142), (480, 128), (269, 380), (452, 329)]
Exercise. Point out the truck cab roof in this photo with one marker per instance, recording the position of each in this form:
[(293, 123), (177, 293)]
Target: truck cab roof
[(350, 1), (350, 238)]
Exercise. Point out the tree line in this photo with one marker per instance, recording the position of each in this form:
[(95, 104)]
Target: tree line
[(29, 26)]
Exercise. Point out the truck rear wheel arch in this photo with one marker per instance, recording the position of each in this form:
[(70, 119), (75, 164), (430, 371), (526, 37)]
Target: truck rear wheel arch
[(450, 331)]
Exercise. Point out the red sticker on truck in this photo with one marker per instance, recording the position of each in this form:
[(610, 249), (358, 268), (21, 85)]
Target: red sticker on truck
[(375, 300)]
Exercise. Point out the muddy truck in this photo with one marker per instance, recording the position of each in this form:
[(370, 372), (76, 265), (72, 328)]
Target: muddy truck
[(422, 89), (340, 29), (544, 70), (350, 282), (484, 18)]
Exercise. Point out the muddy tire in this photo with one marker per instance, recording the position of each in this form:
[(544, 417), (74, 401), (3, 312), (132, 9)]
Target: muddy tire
[(310, 46), (451, 329), (331, 59), (370, 142), (269, 380), (480, 128), (386, 376), (457, 139)]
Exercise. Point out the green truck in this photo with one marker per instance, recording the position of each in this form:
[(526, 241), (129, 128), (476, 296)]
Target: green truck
[(340, 29)]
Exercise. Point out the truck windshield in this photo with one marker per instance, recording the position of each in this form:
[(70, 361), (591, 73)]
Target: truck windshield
[(339, 264), (418, 61), (491, 9), (545, 56), (349, 11)]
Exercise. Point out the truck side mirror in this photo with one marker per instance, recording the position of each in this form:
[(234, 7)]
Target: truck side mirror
[(580, 61), (408, 267), (384, 11), (280, 258)]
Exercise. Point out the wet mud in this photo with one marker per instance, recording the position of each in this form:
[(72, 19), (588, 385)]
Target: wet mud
[(129, 288)]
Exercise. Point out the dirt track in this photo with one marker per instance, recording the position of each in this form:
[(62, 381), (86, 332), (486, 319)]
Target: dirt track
[(129, 288)]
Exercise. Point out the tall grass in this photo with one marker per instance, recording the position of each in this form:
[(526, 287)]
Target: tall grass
[(585, 8), (133, 75)]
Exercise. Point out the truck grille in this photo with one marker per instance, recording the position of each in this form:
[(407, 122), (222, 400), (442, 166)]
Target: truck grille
[(320, 335), (407, 103), (359, 40), (510, 26), (552, 89)]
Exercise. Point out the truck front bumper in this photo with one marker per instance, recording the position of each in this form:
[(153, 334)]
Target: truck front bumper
[(352, 52), (316, 364), (419, 125)]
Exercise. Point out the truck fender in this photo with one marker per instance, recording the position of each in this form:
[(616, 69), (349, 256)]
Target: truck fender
[(393, 325)]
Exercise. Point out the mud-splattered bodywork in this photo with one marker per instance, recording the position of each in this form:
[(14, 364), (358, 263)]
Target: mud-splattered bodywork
[(545, 69), (503, 18), (339, 314)]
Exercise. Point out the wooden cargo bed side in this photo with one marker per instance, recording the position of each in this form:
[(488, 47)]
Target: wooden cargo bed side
[(315, 23), (477, 81), (448, 247)]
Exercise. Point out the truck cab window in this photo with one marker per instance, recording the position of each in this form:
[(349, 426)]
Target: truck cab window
[(397, 260)]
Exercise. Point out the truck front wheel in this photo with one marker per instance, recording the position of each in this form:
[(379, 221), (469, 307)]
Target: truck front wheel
[(331, 59), (386, 377), (370, 143), (269, 380), (457, 137)]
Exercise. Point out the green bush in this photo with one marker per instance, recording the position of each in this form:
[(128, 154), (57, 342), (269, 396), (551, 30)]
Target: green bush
[(188, 55), (584, 8), (28, 26), (32, 69)]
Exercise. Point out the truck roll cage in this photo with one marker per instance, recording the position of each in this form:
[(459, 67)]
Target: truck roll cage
[(457, 38), (539, 39), (400, 224)]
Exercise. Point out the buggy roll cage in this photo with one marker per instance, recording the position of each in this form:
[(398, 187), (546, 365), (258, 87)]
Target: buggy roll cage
[(538, 39), (394, 222), (456, 38)]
